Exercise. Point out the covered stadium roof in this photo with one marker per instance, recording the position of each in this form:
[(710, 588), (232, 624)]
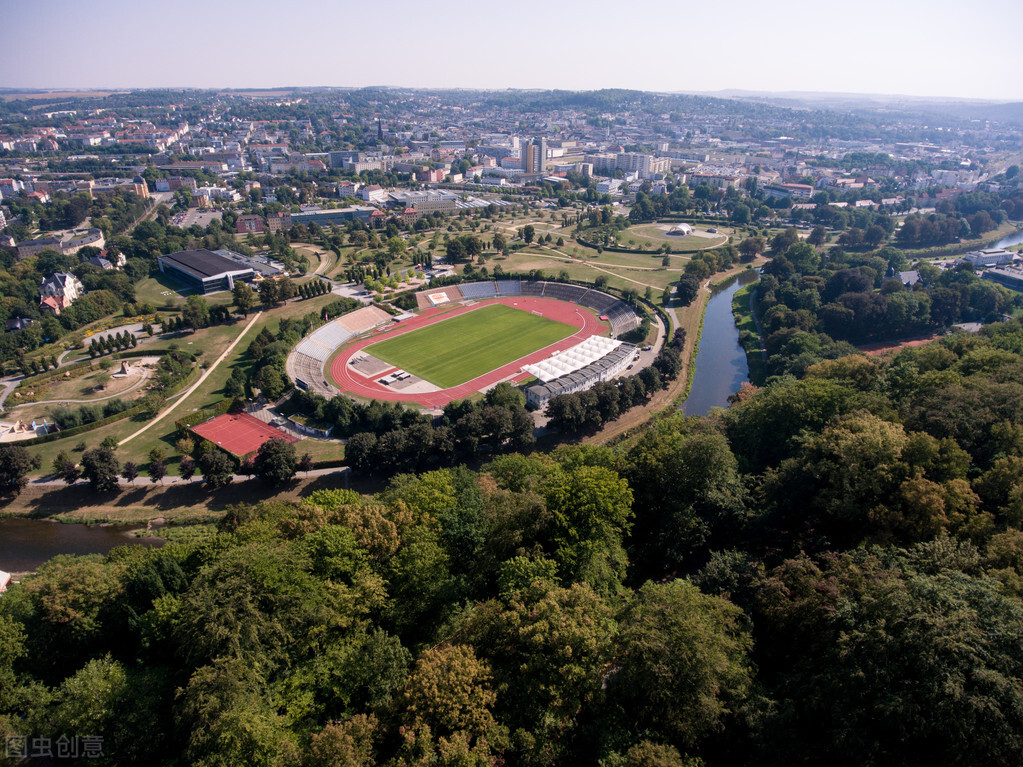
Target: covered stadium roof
[(575, 358)]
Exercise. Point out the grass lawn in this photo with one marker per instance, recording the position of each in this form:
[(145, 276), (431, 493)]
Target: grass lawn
[(166, 293), (656, 235), (211, 342), (618, 276), (743, 313), (457, 350)]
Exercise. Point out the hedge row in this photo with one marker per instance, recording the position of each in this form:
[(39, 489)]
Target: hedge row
[(619, 249), (193, 419), (51, 374), (52, 437)]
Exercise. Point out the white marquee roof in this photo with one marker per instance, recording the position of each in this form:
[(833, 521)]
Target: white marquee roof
[(570, 360)]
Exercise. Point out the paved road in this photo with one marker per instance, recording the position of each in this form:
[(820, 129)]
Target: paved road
[(147, 482)]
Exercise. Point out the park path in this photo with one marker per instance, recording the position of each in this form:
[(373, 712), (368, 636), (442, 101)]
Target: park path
[(176, 480), (198, 383), (137, 384)]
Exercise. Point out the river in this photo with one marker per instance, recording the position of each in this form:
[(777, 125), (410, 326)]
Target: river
[(721, 362), (27, 543), (1006, 242)]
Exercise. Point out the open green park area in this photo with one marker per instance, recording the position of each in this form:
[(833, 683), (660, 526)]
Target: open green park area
[(165, 292), (462, 348), (209, 343), (656, 236), (625, 271)]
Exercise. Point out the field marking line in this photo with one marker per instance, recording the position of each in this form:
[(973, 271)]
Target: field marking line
[(198, 383)]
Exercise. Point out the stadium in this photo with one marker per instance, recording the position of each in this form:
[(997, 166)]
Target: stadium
[(468, 338)]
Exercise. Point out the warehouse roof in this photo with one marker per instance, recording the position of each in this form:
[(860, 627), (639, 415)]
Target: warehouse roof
[(202, 263)]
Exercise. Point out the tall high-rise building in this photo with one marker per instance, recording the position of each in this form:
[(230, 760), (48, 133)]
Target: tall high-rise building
[(534, 156)]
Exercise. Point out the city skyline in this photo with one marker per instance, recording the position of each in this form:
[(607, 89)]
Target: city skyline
[(652, 45)]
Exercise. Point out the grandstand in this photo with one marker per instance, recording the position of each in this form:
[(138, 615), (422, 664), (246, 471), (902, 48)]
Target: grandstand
[(622, 318), (438, 296), (601, 302), (364, 319), (564, 291), (620, 314), (532, 288), (479, 290), (509, 287), (305, 363), (615, 358), (570, 360)]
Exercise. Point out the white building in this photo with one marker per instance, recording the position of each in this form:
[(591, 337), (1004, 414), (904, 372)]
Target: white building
[(373, 193)]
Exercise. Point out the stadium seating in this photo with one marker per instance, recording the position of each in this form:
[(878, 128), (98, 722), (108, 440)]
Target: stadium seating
[(601, 302), (533, 288), (363, 319), (311, 348), (330, 336), (509, 287), (478, 290), (564, 291)]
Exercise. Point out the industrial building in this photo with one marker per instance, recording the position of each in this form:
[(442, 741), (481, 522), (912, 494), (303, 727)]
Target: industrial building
[(205, 271)]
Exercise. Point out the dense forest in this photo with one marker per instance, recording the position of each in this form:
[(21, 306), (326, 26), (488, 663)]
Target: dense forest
[(830, 570)]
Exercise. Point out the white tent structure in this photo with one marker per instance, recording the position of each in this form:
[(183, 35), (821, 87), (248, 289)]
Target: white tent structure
[(570, 360), (5, 578)]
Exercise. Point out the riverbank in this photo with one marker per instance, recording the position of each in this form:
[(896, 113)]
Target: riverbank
[(690, 319), (178, 504), (750, 334)]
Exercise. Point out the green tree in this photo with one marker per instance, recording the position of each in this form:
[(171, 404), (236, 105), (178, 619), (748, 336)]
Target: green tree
[(15, 463), (528, 232), (548, 648), (455, 250), (269, 294), (682, 661), (591, 509), (900, 662), (244, 297), (196, 312), (101, 468), (271, 381), (449, 692), (217, 469), (276, 462)]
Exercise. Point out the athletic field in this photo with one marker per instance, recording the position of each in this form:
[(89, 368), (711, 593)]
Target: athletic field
[(465, 347)]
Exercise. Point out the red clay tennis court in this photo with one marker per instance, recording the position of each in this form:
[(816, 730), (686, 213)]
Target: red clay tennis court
[(239, 433)]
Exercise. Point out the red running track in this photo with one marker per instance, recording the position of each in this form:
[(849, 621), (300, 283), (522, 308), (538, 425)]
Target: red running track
[(561, 311)]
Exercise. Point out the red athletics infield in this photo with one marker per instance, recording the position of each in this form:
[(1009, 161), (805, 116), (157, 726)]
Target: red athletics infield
[(239, 433), (561, 311)]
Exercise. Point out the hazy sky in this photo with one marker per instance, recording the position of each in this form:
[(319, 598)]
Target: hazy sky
[(915, 47)]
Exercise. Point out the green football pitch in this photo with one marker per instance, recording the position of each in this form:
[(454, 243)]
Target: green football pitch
[(462, 348)]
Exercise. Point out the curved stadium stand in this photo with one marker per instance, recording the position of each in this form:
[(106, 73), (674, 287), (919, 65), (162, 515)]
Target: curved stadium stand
[(509, 287), (620, 314), (306, 361), (532, 288), (479, 290)]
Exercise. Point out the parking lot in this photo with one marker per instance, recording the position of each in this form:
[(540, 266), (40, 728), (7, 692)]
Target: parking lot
[(195, 216)]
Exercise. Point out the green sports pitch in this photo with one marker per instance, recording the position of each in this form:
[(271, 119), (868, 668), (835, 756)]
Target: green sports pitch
[(457, 350)]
